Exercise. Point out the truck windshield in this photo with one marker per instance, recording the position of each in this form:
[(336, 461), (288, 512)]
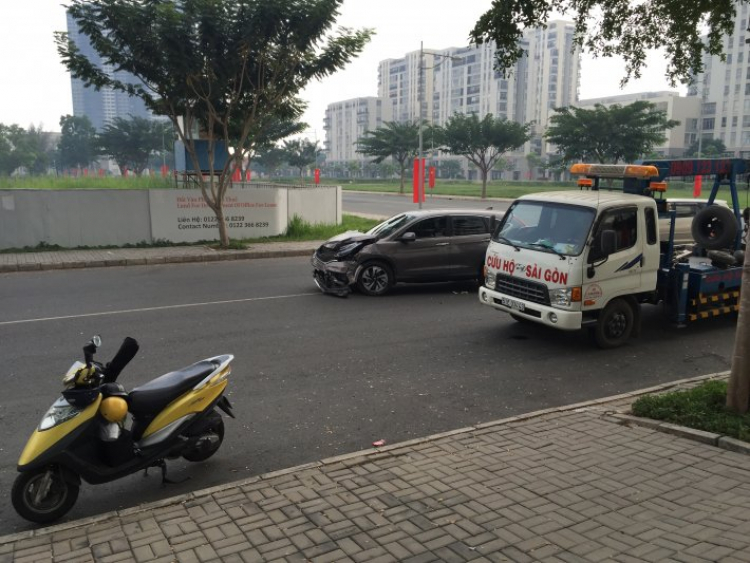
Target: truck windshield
[(546, 226)]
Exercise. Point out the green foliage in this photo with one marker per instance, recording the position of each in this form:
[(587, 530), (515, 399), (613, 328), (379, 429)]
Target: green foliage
[(450, 169), (301, 153), (87, 182), (230, 68), (608, 134), (483, 141), (78, 142), (17, 149), (702, 408), (130, 142), (399, 141), (269, 159), (617, 27), (709, 148)]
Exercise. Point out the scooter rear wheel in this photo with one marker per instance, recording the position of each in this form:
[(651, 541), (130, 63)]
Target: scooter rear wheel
[(43, 495), (216, 431)]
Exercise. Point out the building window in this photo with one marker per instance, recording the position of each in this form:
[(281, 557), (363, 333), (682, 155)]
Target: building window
[(708, 123)]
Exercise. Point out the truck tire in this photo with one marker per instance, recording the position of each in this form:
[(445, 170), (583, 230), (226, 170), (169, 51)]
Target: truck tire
[(615, 324), (714, 227)]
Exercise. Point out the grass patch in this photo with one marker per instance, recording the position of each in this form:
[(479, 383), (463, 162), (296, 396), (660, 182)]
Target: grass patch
[(85, 183), (702, 407), (300, 230)]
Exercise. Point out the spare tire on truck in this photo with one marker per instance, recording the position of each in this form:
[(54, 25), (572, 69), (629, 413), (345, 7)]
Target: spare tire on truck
[(714, 227)]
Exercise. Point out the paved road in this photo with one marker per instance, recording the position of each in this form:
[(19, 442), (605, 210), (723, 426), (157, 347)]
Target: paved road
[(387, 205), (315, 376)]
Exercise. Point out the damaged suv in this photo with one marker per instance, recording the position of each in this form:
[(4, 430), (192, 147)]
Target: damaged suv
[(416, 246)]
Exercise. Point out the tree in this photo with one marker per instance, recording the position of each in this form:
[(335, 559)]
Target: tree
[(483, 141), (41, 145), (301, 153), (399, 141), (617, 27), (130, 142), (709, 147), (78, 141), (608, 134), (227, 68), (270, 158), (18, 148)]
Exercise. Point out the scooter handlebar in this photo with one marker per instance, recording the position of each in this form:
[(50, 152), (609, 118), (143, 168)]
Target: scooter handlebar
[(127, 352)]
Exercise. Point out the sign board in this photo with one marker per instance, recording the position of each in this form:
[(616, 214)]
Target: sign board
[(184, 216)]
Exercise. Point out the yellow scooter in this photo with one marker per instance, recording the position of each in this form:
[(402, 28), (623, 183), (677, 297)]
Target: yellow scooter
[(86, 433)]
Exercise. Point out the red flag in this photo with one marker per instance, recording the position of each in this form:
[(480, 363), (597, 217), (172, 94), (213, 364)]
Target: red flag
[(237, 176), (432, 177), (85, 171), (247, 174), (101, 172), (415, 182), (164, 170), (317, 175), (124, 171), (697, 186)]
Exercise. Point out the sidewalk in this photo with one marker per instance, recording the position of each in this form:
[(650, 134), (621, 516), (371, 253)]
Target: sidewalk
[(26, 261), (571, 484)]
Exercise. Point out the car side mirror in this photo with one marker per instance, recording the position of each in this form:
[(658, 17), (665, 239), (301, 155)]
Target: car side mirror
[(408, 237), (608, 242)]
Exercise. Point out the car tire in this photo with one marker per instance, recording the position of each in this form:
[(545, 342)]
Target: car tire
[(615, 324), (714, 227), (375, 279)]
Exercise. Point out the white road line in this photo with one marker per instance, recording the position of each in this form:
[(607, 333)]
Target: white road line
[(148, 309)]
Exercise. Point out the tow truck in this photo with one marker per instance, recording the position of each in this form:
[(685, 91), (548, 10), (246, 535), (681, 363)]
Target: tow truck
[(590, 258)]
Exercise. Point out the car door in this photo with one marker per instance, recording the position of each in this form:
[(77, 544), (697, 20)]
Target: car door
[(470, 235), (427, 257)]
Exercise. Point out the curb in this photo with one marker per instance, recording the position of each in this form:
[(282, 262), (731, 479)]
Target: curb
[(365, 456), (218, 257)]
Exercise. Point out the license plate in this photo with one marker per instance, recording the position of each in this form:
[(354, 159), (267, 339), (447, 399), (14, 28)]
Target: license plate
[(511, 304)]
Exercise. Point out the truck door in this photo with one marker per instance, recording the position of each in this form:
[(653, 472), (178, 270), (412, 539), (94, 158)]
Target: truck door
[(620, 272)]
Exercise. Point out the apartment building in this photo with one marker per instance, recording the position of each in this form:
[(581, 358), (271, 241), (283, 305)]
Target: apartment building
[(724, 90), (346, 122), (680, 108)]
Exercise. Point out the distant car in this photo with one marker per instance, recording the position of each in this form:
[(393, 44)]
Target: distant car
[(416, 246), (685, 210)]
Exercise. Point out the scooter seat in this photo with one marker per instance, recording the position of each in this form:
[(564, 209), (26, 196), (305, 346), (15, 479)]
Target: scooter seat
[(153, 396)]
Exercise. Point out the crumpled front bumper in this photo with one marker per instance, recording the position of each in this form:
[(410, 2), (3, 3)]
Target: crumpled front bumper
[(335, 278)]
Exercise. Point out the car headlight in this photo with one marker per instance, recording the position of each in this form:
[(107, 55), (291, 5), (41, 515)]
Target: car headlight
[(348, 250), (61, 411), (564, 296), (489, 281)]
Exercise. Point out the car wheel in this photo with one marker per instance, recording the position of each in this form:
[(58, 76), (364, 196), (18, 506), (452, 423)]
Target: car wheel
[(714, 227), (375, 279), (615, 324)]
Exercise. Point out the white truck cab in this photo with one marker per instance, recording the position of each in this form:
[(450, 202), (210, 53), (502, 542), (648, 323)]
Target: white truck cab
[(570, 259)]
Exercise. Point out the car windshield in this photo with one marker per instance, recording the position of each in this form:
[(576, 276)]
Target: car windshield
[(550, 227), (391, 225)]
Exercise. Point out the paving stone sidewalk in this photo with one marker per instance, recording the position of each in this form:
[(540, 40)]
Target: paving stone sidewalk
[(27, 261), (562, 485)]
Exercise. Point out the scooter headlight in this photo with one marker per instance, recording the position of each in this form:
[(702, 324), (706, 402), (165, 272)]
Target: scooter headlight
[(61, 411)]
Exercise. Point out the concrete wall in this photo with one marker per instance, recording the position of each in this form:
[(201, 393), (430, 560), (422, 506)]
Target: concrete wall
[(74, 218)]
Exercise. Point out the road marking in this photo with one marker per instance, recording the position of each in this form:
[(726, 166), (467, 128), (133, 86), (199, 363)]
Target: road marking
[(162, 308)]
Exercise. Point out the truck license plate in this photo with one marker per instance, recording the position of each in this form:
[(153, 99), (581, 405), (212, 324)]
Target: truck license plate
[(511, 304)]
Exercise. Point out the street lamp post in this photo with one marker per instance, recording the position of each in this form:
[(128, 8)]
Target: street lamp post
[(420, 169)]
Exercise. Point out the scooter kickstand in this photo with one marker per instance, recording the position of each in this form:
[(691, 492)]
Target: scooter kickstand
[(164, 481)]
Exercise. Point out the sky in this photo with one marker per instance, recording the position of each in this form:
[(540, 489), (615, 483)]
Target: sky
[(36, 87)]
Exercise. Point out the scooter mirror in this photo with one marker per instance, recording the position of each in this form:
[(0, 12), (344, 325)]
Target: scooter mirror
[(97, 341)]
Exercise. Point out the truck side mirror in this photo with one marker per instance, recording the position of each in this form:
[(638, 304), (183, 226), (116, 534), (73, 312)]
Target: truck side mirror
[(608, 242)]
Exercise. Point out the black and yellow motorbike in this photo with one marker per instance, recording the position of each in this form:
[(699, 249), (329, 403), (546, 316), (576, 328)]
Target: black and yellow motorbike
[(87, 433)]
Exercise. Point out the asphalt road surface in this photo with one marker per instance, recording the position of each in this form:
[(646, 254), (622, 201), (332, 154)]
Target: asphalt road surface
[(387, 205), (314, 375)]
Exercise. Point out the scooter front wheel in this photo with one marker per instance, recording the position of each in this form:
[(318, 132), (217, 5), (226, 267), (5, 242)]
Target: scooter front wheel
[(43, 495)]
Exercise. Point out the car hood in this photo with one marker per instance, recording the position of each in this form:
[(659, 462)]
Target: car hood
[(334, 243)]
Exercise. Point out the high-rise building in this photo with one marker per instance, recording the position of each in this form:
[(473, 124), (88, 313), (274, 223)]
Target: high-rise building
[(104, 105), (724, 90), (345, 123)]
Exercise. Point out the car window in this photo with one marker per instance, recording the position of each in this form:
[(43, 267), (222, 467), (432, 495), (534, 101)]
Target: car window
[(624, 222), (686, 209), (430, 228), (464, 225)]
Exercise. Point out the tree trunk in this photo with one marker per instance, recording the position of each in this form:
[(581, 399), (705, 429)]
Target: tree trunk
[(484, 183), (403, 173), (223, 233), (738, 392)]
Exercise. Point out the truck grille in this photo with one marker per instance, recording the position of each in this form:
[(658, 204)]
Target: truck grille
[(522, 289)]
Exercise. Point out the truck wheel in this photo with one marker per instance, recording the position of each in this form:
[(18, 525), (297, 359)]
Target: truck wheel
[(714, 227), (375, 279), (43, 495), (615, 324)]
